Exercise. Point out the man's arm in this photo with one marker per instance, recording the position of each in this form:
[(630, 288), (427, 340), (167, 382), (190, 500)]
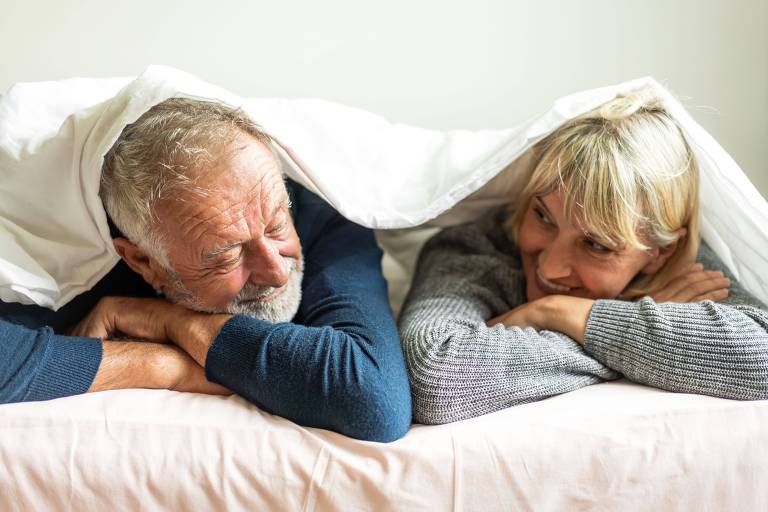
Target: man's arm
[(37, 364), (138, 364), (339, 365)]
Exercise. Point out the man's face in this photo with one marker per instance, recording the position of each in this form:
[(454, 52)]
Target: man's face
[(234, 249)]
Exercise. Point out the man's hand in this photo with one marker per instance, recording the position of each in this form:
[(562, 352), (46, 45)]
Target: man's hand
[(560, 313), (695, 284), (144, 319), (154, 320)]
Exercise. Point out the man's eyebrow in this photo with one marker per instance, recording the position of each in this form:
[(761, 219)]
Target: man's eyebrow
[(284, 204), (212, 254)]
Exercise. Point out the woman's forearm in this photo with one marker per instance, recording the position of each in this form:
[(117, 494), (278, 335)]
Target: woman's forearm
[(460, 368), (705, 347)]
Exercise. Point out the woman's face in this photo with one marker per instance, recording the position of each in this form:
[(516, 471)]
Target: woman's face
[(561, 258)]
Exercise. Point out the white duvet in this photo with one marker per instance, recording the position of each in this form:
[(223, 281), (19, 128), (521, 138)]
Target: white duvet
[(54, 239)]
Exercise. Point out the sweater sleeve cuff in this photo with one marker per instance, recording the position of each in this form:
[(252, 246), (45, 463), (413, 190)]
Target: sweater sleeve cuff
[(233, 352), (68, 368), (611, 327)]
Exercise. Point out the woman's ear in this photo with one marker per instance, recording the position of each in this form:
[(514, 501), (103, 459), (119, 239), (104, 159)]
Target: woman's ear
[(660, 255), (141, 263)]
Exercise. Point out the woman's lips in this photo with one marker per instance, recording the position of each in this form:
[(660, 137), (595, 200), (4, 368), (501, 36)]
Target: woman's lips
[(549, 286)]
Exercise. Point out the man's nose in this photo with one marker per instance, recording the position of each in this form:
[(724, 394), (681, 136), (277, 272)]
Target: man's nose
[(555, 261), (267, 266)]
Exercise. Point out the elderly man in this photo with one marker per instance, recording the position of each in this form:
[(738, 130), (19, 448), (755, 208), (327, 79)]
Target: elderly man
[(273, 295)]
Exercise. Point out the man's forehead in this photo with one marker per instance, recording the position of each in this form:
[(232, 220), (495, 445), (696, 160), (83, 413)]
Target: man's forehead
[(228, 211)]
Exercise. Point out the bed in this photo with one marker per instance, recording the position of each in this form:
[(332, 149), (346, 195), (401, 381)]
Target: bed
[(612, 446)]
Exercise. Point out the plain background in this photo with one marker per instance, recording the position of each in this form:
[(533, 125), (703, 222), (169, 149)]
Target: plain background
[(439, 64)]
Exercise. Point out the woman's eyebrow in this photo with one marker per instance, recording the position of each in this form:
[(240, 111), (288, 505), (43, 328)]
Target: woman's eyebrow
[(540, 202)]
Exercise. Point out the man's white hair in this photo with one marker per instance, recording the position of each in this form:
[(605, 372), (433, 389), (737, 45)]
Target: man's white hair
[(162, 154)]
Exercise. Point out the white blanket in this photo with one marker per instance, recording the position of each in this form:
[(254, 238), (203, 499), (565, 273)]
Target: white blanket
[(54, 239)]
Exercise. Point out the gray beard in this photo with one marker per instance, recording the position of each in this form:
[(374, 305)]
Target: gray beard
[(280, 309)]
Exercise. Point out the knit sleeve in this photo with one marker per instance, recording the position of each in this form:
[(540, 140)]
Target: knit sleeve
[(36, 364), (338, 365), (458, 367), (717, 349)]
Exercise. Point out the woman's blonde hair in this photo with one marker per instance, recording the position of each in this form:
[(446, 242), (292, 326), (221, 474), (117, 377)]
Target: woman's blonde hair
[(628, 176)]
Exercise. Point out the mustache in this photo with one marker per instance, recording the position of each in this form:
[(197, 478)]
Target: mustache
[(256, 292)]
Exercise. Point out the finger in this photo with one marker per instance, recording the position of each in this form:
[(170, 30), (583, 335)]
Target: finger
[(87, 328), (710, 285), (683, 287), (693, 267), (139, 318), (682, 280), (715, 296)]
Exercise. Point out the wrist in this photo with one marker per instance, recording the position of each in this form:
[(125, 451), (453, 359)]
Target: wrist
[(138, 364), (568, 315), (194, 332)]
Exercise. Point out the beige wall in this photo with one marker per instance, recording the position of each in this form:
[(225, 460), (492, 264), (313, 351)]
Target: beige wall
[(441, 64)]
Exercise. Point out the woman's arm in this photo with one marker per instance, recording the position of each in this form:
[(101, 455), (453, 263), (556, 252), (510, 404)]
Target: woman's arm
[(460, 368), (704, 347), (712, 348)]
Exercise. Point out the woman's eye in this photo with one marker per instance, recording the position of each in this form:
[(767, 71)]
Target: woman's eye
[(541, 216), (597, 247)]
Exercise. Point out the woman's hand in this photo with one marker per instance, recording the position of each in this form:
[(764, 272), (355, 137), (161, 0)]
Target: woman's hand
[(694, 284), (560, 313)]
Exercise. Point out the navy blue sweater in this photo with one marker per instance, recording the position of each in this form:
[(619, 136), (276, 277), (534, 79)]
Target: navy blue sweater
[(338, 365)]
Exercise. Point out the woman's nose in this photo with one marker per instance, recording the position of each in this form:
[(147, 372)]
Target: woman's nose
[(554, 262)]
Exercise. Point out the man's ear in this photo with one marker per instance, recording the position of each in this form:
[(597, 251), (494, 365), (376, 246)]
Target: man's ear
[(141, 263), (660, 255)]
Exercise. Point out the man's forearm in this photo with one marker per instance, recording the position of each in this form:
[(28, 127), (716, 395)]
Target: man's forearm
[(135, 364)]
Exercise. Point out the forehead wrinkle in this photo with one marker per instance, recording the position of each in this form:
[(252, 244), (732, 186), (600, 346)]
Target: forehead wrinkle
[(195, 222), (277, 198), (251, 203)]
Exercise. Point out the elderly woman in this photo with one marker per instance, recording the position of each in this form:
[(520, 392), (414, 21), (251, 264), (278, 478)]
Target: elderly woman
[(586, 277)]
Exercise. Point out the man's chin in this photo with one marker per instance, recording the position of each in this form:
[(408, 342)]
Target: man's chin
[(274, 311), (280, 308)]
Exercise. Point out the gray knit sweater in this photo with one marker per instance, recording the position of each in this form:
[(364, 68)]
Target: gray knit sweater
[(459, 368)]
